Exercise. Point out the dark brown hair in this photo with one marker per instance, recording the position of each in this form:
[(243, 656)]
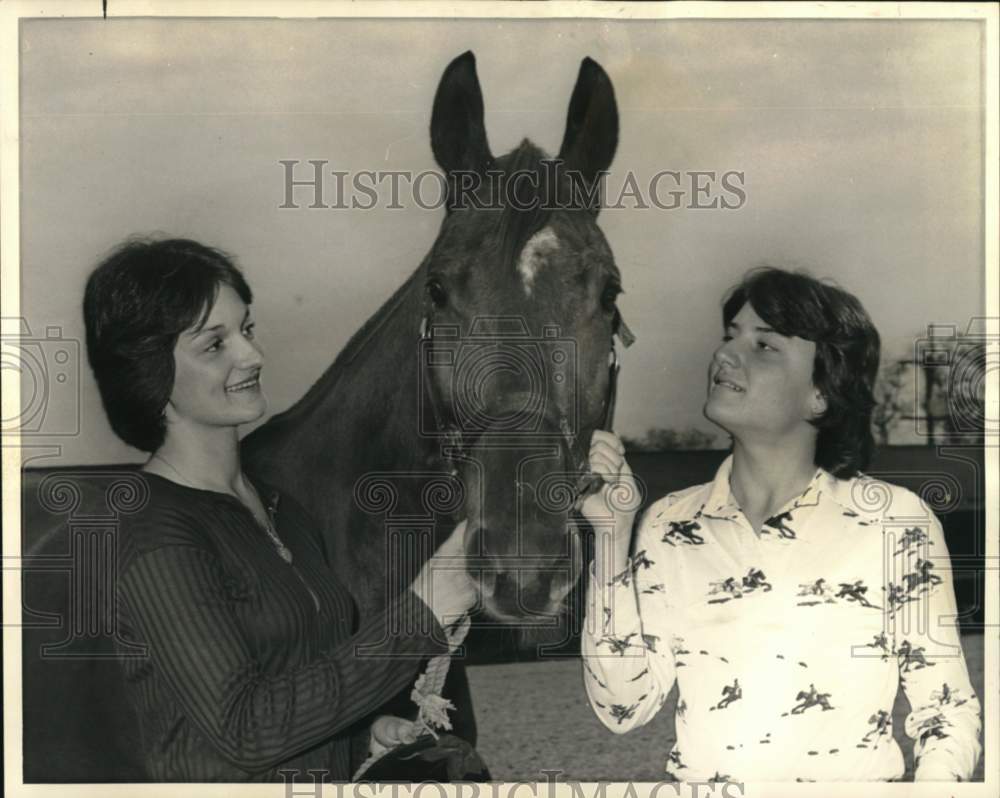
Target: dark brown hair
[(847, 356), (137, 301)]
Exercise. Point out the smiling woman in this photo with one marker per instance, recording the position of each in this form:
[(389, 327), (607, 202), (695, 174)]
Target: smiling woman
[(218, 367), (147, 302), (787, 596), (252, 672), (781, 393)]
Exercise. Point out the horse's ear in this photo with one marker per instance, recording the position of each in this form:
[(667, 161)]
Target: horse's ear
[(458, 133), (591, 137)]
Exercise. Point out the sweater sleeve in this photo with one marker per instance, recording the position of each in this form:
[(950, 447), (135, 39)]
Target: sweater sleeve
[(628, 673), (177, 600), (945, 718)]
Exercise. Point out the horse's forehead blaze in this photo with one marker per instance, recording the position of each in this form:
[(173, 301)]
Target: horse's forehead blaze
[(534, 255)]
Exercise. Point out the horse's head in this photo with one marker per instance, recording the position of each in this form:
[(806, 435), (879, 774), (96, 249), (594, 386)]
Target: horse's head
[(518, 358)]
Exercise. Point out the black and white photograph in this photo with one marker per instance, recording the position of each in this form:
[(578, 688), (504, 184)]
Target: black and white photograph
[(565, 397)]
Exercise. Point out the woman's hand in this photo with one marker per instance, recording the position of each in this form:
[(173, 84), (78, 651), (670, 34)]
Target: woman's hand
[(611, 511), (388, 731), (618, 499), (443, 583)]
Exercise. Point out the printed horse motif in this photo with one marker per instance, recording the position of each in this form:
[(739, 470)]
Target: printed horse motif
[(881, 721), (621, 713), (912, 658), (897, 596), (880, 641), (947, 696), (727, 585), (818, 592), (473, 392), (922, 577), (730, 693), (911, 539), (754, 578), (812, 698), (855, 592), (618, 645), (780, 523), (683, 531), (932, 727)]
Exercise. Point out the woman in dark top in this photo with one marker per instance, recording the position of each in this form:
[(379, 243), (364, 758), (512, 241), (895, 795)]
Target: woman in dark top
[(254, 670)]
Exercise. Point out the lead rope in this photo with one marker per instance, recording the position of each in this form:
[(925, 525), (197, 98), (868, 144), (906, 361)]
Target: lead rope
[(432, 707)]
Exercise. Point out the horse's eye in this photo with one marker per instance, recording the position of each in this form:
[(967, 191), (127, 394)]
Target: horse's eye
[(609, 295), (436, 293)]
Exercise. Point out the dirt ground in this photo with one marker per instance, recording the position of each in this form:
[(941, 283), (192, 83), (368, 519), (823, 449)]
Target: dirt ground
[(523, 732)]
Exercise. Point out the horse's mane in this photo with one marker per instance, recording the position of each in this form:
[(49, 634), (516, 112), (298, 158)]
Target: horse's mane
[(318, 393)]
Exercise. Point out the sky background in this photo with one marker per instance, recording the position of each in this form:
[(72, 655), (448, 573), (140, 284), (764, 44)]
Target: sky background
[(860, 142)]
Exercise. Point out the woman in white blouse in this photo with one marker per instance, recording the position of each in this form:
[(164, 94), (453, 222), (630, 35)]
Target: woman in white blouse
[(790, 597)]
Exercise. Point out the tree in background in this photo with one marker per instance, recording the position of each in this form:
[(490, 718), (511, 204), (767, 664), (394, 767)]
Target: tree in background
[(891, 399), (662, 439)]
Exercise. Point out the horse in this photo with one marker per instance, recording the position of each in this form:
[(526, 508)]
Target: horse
[(473, 392)]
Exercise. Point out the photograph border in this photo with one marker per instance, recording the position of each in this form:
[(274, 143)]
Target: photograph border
[(11, 15)]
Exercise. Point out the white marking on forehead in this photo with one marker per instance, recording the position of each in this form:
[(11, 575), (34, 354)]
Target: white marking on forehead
[(533, 256)]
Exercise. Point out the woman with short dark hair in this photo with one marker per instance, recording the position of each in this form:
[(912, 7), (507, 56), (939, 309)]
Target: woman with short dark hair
[(790, 597), (253, 670), (136, 305), (845, 365)]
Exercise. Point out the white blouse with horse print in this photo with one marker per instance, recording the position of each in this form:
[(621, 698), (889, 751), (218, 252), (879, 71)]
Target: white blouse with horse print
[(788, 648)]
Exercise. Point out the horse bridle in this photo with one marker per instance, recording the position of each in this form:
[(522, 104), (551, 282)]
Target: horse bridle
[(454, 438)]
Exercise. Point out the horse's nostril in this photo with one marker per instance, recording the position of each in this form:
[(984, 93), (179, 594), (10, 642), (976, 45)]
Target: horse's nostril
[(522, 586), (505, 583), (521, 593)]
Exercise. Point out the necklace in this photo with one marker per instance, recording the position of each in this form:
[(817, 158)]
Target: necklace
[(266, 522)]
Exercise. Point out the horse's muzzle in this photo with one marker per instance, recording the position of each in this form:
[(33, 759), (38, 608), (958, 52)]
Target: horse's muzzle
[(518, 587)]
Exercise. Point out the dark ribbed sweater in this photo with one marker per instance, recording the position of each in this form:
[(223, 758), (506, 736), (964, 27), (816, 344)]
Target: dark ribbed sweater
[(253, 665)]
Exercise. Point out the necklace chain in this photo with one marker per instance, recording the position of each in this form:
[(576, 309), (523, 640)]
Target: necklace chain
[(266, 522)]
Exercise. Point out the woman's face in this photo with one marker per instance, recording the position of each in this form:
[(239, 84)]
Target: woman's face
[(760, 382), (217, 368)]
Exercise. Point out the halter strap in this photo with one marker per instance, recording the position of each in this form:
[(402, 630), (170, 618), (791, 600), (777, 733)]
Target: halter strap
[(453, 434)]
